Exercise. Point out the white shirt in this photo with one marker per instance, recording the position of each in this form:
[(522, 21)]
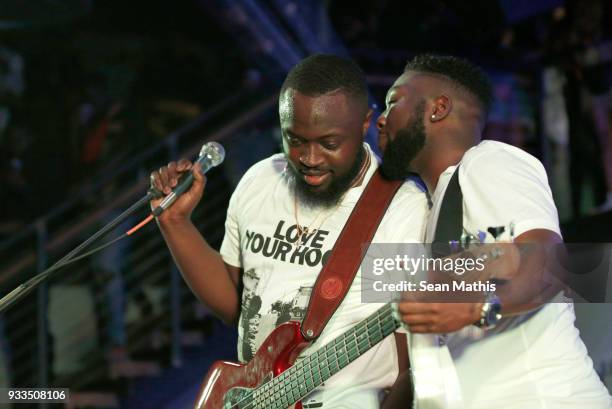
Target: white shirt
[(278, 277), (536, 360)]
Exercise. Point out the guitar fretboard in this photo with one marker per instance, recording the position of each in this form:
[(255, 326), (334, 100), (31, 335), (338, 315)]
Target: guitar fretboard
[(307, 374)]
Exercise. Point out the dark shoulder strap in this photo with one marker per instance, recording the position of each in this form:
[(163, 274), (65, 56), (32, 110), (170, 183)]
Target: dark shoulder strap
[(339, 271), (449, 226)]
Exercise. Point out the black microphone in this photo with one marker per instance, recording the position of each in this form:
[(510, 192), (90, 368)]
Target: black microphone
[(211, 155)]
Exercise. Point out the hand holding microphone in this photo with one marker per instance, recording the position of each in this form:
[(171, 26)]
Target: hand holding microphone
[(183, 182)]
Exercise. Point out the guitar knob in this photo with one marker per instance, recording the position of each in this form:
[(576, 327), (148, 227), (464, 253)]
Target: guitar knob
[(466, 240), (496, 231)]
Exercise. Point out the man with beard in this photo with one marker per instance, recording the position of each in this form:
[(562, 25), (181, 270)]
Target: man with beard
[(530, 356), (283, 220)]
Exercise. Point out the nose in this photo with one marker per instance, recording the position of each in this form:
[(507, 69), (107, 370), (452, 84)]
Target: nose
[(310, 156), (381, 121), (382, 138)]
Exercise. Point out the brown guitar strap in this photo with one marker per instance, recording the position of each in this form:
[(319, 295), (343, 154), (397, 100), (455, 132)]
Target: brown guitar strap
[(339, 271)]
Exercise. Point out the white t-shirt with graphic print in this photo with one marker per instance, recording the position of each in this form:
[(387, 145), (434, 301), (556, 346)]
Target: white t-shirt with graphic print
[(536, 360), (278, 276)]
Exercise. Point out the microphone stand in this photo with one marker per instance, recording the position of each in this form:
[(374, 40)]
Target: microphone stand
[(211, 155), (25, 288)]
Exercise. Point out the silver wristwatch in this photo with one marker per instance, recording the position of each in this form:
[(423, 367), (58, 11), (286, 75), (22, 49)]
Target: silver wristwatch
[(490, 313)]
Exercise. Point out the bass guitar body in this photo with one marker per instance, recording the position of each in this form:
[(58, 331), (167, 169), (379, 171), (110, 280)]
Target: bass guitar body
[(227, 384)]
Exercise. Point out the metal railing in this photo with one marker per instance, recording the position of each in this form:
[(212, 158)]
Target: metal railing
[(55, 322)]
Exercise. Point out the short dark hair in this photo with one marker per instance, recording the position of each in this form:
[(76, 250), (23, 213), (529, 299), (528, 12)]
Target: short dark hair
[(460, 71), (319, 74)]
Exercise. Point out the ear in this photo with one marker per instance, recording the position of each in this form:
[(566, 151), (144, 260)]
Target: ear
[(367, 121), (442, 106)]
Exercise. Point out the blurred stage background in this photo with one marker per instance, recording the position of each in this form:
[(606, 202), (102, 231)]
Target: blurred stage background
[(96, 94)]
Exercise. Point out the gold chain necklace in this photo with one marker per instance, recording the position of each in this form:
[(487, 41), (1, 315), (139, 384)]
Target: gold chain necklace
[(303, 231)]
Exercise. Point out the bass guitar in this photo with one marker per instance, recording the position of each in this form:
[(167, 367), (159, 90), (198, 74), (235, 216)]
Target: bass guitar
[(270, 381)]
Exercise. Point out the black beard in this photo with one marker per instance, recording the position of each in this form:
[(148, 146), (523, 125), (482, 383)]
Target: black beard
[(402, 150), (310, 197)]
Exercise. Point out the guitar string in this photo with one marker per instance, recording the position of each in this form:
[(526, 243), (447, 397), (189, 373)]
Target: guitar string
[(373, 322), (314, 362), (307, 362), (311, 381), (355, 347)]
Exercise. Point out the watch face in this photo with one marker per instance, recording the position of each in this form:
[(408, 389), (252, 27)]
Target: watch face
[(493, 314)]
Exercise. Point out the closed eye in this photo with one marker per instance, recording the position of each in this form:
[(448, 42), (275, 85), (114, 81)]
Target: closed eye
[(329, 145), (292, 140), (391, 102)]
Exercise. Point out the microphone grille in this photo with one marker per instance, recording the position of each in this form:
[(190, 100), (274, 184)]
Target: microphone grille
[(214, 151)]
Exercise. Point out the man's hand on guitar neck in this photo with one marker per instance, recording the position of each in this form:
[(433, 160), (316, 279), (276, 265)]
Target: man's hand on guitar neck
[(523, 283), (424, 315), (438, 318)]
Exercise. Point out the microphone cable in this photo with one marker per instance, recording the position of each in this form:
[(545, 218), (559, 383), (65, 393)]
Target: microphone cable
[(25, 288), (212, 154)]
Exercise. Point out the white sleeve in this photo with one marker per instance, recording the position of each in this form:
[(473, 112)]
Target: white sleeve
[(230, 248), (406, 217), (503, 187), (231, 251)]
